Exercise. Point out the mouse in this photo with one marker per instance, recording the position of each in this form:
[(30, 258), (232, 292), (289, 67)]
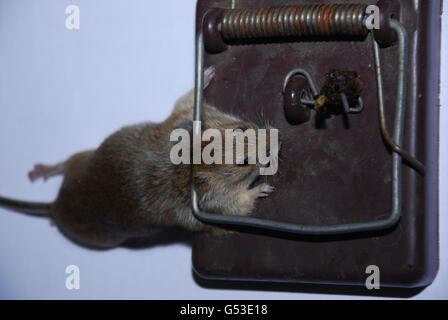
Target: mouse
[(128, 187)]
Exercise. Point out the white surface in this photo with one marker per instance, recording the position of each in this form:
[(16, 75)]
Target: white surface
[(64, 91)]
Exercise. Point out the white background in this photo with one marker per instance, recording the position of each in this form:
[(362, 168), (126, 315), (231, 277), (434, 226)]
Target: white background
[(64, 91)]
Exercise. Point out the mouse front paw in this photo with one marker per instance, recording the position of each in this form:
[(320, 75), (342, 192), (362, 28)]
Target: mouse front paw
[(261, 191)]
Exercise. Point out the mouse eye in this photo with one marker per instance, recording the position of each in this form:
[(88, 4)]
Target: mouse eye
[(245, 162)]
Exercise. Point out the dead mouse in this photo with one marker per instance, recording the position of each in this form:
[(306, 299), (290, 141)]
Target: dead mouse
[(129, 186)]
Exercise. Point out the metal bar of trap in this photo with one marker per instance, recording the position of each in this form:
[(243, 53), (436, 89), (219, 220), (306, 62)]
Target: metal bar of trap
[(291, 228)]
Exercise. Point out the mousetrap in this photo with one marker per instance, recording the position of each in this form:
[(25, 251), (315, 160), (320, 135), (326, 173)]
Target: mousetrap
[(357, 111)]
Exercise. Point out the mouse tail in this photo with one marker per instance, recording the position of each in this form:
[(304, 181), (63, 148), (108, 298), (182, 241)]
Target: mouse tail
[(37, 209)]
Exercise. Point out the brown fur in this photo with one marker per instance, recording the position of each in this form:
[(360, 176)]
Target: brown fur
[(129, 186)]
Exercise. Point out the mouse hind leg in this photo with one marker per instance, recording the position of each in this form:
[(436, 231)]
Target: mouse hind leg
[(187, 100), (46, 171)]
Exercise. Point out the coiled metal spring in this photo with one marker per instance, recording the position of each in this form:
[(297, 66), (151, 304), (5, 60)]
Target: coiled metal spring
[(294, 21)]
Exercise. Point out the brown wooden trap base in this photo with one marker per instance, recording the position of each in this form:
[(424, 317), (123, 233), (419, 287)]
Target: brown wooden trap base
[(337, 173)]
